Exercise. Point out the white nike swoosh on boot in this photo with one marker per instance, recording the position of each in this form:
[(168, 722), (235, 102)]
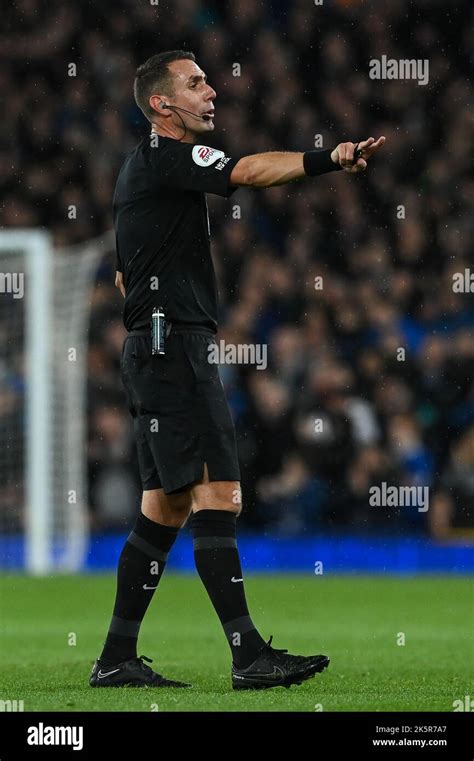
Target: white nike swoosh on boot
[(101, 674), (234, 579)]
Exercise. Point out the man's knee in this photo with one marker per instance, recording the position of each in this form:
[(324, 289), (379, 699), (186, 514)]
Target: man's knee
[(170, 510), (237, 500), (218, 495)]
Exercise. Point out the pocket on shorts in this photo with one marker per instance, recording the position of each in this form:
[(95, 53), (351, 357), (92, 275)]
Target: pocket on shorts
[(136, 355), (199, 350), (159, 384)]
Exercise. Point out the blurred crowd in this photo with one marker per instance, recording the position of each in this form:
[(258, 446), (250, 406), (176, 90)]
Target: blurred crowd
[(347, 279)]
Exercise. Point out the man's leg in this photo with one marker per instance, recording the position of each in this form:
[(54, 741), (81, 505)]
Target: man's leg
[(216, 506), (255, 664), (140, 568)]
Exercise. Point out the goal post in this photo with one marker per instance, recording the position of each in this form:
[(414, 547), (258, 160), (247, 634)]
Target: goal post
[(39, 325), (45, 297), (26, 260)]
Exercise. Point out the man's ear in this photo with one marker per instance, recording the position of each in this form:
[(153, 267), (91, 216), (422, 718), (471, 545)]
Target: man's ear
[(156, 102)]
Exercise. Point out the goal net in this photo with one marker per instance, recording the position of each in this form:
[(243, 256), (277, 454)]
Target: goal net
[(44, 317)]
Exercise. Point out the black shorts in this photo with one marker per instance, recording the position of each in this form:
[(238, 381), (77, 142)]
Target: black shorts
[(180, 413)]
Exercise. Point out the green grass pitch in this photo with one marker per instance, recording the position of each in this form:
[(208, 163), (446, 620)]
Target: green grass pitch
[(357, 621)]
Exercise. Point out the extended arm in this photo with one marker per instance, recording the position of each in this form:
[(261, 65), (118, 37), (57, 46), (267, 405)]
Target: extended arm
[(263, 170)]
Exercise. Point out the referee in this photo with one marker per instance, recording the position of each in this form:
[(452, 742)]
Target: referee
[(183, 428)]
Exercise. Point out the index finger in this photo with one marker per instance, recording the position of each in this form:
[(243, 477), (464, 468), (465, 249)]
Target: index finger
[(365, 143), (378, 144)]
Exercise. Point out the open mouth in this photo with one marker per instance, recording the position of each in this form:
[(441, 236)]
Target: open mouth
[(209, 113)]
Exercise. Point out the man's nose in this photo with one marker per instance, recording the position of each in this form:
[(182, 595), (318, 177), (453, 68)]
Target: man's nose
[(211, 93)]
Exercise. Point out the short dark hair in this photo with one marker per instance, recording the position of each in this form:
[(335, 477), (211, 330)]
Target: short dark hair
[(154, 74)]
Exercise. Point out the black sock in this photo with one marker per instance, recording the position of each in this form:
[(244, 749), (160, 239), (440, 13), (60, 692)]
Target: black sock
[(140, 568), (218, 564)]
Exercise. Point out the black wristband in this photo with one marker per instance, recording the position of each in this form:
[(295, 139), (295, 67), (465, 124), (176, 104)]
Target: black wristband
[(319, 162), (357, 153)]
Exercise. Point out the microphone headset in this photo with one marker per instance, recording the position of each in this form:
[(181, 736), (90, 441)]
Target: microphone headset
[(204, 117)]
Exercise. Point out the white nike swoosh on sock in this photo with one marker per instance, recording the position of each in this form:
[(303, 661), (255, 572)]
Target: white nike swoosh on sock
[(234, 579), (146, 587)]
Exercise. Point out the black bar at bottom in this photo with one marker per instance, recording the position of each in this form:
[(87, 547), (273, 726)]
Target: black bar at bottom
[(102, 735)]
